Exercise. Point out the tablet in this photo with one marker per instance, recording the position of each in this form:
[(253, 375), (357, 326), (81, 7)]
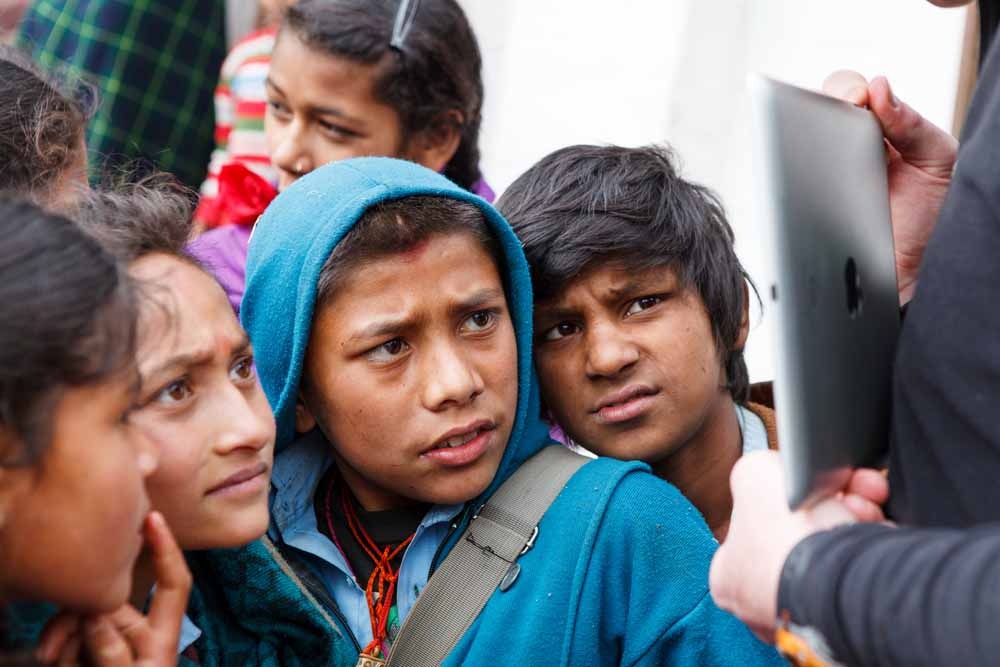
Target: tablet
[(824, 218)]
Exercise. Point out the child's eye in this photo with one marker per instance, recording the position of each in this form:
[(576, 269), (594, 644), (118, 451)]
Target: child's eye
[(388, 351), (242, 370), (174, 393), (479, 321), (560, 331), (337, 131), (642, 303), (277, 108), (126, 415)]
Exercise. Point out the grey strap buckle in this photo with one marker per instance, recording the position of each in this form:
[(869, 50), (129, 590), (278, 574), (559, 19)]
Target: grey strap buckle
[(514, 570), (486, 548), (531, 541)]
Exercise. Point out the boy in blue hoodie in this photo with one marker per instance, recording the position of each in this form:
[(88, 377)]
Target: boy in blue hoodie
[(390, 311)]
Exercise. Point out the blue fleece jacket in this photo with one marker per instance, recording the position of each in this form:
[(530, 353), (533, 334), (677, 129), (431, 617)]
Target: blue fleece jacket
[(619, 571)]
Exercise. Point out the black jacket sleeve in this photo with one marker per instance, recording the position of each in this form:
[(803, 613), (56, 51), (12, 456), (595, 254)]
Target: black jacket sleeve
[(897, 596)]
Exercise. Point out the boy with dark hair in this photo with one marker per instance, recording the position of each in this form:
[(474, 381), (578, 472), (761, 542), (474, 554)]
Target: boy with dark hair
[(641, 307)]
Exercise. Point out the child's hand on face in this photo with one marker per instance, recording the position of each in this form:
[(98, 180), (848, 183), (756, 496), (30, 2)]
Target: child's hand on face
[(126, 637)]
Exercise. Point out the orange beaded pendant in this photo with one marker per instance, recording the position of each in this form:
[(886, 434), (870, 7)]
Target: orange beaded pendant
[(366, 660)]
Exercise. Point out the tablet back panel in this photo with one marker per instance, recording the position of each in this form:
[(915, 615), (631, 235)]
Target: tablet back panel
[(825, 208)]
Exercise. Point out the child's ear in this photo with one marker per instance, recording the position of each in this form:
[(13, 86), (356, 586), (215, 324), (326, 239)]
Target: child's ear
[(305, 421), (435, 146), (741, 338)]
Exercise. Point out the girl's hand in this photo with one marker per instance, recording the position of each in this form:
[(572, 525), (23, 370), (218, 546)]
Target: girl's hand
[(921, 157), (126, 637)]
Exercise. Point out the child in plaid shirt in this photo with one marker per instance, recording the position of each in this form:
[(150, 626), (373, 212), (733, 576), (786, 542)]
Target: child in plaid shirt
[(154, 62)]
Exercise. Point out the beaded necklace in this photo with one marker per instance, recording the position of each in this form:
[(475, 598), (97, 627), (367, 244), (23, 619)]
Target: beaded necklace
[(381, 587)]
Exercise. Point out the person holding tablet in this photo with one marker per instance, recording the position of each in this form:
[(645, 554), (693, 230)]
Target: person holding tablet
[(874, 594)]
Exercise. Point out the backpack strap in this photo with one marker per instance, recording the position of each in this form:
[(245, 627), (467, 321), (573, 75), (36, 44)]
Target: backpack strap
[(484, 559)]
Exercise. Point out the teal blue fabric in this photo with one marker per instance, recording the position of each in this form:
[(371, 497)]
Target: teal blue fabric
[(252, 612), (618, 576), (619, 572)]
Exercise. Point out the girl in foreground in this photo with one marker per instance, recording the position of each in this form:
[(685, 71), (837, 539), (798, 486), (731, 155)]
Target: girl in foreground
[(73, 508), (197, 392)]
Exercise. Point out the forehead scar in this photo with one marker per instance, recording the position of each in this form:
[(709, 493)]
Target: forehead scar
[(414, 252)]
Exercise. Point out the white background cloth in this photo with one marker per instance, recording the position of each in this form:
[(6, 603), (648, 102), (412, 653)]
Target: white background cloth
[(560, 72)]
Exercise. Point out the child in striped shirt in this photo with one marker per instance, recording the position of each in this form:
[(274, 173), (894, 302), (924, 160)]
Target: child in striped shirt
[(240, 103)]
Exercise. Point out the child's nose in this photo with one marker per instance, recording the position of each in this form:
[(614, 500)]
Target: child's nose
[(147, 454), (451, 380), (292, 155), (609, 353)]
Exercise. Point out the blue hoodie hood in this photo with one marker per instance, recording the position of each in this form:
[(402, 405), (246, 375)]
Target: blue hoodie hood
[(294, 238)]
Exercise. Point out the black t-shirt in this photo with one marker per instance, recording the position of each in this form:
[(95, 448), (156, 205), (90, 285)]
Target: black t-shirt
[(387, 528)]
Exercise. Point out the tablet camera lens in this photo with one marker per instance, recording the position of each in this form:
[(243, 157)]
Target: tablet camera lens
[(855, 295)]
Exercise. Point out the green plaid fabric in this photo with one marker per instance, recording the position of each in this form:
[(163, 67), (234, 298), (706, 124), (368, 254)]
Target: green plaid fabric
[(156, 63)]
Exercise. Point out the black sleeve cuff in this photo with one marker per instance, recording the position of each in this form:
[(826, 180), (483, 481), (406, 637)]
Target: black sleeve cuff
[(809, 588)]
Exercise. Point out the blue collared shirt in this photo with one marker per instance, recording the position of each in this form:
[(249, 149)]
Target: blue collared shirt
[(297, 471), (753, 431), (190, 633)]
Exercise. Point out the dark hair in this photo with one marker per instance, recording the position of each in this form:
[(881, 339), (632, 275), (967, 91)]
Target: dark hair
[(42, 121), (396, 226), (437, 68), (132, 219), (584, 205), (67, 318)]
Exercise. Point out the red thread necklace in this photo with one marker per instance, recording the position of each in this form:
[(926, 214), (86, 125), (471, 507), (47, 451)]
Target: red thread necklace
[(381, 588)]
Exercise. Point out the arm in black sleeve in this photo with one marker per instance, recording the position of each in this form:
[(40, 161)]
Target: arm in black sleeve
[(899, 596)]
